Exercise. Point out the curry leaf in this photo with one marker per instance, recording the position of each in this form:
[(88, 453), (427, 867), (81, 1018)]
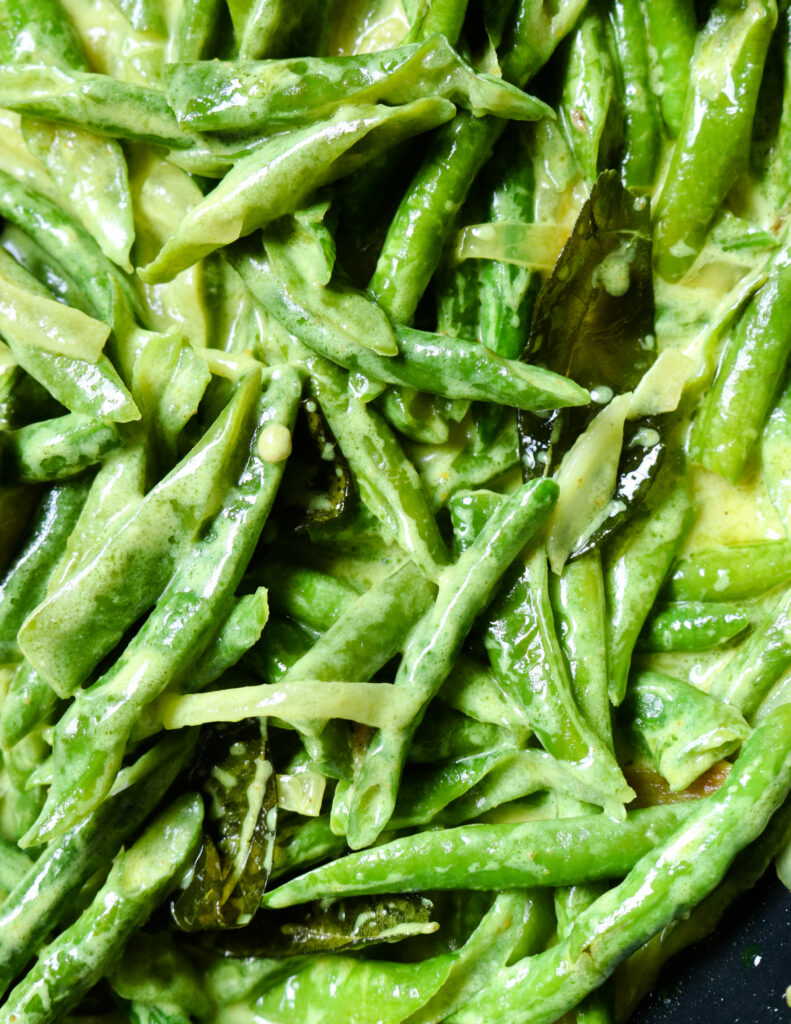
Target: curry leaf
[(594, 322), (235, 860), (330, 927)]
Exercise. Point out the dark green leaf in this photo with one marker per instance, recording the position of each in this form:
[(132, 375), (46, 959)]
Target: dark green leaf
[(232, 871), (329, 927), (594, 322)]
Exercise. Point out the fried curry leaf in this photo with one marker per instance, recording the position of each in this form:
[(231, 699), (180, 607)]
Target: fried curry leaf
[(232, 870), (330, 927), (595, 312), (594, 322)]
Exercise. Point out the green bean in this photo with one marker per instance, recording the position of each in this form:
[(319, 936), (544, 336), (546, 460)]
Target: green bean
[(470, 469), (733, 412), (90, 172), (479, 694), (526, 655), (683, 730), (424, 795), (389, 485), (588, 97), (683, 869), (61, 348), (443, 16), (672, 30), (579, 604), (36, 905), (637, 974), (413, 246), (570, 902), (264, 96), (239, 632), (29, 701), (68, 243), (56, 449), (732, 573), (446, 734), (746, 679), (714, 138), (635, 565), (277, 28), (14, 865), (312, 597), (507, 292), (775, 454), (103, 105), (195, 29), (282, 172), (41, 266), (469, 513), (25, 583), (773, 171), (534, 853), (363, 639), (464, 589), (414, 414), (692, 626), (120, 577), (518, 923), (200, 591), (446, 366), (309, 841), (642, 119), (22, 798), (138, 881), (16, 508), (520, 774)]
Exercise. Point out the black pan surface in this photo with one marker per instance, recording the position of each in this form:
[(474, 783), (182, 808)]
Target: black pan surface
[(737, 976)]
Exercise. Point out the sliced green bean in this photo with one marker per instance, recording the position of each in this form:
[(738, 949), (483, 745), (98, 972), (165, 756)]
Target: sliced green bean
[(120, 577), (446, 366), (56, 449), (139, 879), (732, 573), (314, 598), (746, 679), (464, 589), (279, 28), (734, 410), (507, 292), (281, 174), (693, 626), (195, 29), (104, 105), (683, 730), (535, 853), (36, 905), (672, 31), (29, 701), (49, 339), (199, 592), (580, 611), (264, 96), (683, 869), (25, 583), (588, 97), (642, 119), (635, 566), (68, 243), (526, 655), (713, 144), (414, 242)]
